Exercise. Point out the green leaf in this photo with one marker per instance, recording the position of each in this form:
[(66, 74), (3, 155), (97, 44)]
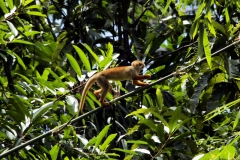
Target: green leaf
[(228, 152), (227, 15), (21, 41), (211, 28), (167, 6), (194, 29), (34, 13), (91, 52), (20, 89), (45, 74), (3, 6), (104, 64), (101, 135), (83, 58), (25, 3), (160, 132), (20, 106), (54, 152), (38, 7), (200, 10), (174, 119), (31, 33), (107, 142), (207, 49), (41, 110), (62, 40), (20, 61), (91, 142), (110, 50), (236, 120), (147, 122), (12, 28), (10, 4), (25, 78), (159, 98), (218, 27), (74, 64), (54, 75), (200, 41), (125, 151)]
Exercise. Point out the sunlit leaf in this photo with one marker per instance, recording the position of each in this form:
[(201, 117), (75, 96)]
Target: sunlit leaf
[(54, 152), (200, 41), (236, 120), (110, 50), (91, 52), (207, 49), (21, 41), (13, 29), (20, 61), (101, 135), (107, 142), (3, 6), (83, 58), (218, 27), (41, 110), (74, 64), (34, 13), (26, 2)]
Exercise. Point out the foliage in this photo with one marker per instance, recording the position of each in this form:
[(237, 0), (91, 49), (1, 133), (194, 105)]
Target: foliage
[(48, 47)]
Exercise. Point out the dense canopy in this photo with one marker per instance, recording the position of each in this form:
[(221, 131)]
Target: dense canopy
[(49, 49)]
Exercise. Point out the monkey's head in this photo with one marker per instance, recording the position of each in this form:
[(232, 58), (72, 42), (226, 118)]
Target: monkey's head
[(138, 65)]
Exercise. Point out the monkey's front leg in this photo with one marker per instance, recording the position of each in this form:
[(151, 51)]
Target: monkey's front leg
[(136, 79)]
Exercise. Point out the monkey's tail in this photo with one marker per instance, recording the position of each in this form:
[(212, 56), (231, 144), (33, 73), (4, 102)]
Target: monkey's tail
[(85, 90)]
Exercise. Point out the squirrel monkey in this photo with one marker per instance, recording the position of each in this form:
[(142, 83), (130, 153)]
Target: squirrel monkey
[(116, 74)]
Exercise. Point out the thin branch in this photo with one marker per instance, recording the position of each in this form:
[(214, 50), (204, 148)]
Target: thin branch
[(112, 101)]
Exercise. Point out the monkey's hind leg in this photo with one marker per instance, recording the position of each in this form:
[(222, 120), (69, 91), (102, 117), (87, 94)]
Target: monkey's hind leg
[(98, 92), (105, 87)]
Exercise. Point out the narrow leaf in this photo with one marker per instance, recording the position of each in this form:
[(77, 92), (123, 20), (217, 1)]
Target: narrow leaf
[(147, 122), (13, 28), (21, 41), (25, 78), (200, 10), (91, 52), (227, 15), (20, 61), (26, 2), (125, 151), (167, 6), (83, 58), (159, 98), (110, 50), (236, 120), (74, 64), (10, 4), (101, 135), (107, 142), (174, 119), (41, 110), (218, 26), (3, 6), (207, 49), (200, 41), (54, 152), (36, 13)]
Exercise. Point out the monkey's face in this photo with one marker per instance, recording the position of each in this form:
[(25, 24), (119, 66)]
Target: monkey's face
[(138, 65)]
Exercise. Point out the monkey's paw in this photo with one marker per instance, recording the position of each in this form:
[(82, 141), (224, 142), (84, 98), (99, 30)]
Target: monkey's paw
[(147, 75)]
